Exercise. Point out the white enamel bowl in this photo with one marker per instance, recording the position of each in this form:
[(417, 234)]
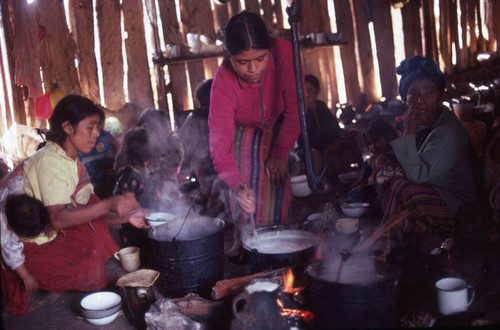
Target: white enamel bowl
[(354, 210), (101, 307), (300, 187), (159, 218)]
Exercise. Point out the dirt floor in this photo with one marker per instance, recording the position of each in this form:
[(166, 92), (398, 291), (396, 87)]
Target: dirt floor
[(474, 260)]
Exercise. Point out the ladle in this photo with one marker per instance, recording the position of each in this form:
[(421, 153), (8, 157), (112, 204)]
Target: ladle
[(185, 218), (346, 254)]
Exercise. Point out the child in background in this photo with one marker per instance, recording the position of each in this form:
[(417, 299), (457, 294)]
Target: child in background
[(27, 221), (378, 136), (99, 162)]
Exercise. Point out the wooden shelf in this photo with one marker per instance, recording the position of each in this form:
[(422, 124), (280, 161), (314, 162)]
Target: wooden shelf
[(161, 60)]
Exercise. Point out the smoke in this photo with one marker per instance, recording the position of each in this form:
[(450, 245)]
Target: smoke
[(357, 269)]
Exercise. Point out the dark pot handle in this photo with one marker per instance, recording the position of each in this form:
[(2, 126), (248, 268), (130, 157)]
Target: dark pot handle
[(242, 298)]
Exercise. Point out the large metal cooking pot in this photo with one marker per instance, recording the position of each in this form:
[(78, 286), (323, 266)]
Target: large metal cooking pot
[(194, 260), (363, 297), (278, 246)]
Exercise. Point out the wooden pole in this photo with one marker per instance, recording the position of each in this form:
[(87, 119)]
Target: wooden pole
[(344, 19), (382, 23), (108, 18)]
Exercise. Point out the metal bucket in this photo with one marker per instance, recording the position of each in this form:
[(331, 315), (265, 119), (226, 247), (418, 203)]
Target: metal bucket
[(194, 261)]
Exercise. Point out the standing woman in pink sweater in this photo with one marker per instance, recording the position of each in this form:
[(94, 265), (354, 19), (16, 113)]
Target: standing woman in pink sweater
[(254, 121)]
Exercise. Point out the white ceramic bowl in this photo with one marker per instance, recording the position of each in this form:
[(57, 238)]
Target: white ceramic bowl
[(159, 218), (314, 216), (98, 306), (354, 210), (300, 187), (349, 177), (312, 222), (103, 320)]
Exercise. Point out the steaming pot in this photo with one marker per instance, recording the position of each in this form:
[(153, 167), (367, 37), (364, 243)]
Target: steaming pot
[(361, 298), (278, 246), (194, 261)]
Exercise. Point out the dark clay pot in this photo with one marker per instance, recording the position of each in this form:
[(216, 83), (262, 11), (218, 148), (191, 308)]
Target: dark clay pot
[(256, 307)]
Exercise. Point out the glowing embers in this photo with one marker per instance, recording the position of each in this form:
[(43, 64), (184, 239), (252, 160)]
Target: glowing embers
[(291, 301)]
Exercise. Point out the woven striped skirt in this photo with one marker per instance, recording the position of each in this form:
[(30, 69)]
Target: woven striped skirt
[(74, 260), (252, 147), (428, 211)]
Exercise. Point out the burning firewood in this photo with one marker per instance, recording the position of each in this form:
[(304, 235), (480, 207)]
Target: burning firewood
[(234, 286)]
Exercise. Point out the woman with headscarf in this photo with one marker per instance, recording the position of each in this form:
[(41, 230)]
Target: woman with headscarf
[(434, 152), (254, 120)]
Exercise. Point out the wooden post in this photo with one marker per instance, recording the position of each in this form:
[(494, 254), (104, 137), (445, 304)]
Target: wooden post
[(453, 32), (365, 50), (444, 34), (462, 53), (108, 18), (382, 24), (138, 77), (429, 30), (221, 16), (58, 57), (496, 23), (171, 32), (471, 18), (158, 69), (344, 19), (17, 91), (412, 29), (82, 20), (279, 13), (195, 20)]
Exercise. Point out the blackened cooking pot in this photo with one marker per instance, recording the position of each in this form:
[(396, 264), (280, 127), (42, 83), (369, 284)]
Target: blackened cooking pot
[(194, 260), (277, 246), (363, 297)]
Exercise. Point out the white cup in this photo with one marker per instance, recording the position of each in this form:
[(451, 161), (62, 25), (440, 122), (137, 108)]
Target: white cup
[(193, 41), (452, 295), (347, 225), (129, 257)]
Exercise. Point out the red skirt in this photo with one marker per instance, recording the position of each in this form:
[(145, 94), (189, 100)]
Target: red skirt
[(74, 260)]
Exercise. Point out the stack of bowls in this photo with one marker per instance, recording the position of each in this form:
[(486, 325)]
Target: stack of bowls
[(100, 308)]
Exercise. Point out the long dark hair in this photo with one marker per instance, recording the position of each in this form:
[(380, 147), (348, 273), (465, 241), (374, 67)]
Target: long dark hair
[(74, 109), (245, 31)]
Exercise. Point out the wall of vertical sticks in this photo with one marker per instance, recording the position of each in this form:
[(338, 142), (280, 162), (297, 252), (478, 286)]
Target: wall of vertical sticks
[(49, 42)]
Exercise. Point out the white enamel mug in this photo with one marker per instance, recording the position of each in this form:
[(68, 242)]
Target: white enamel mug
[(452, 295)]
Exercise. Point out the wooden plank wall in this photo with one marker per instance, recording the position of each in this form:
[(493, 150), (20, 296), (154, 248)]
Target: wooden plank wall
[(82, 20), (61, 46), (108, 22)]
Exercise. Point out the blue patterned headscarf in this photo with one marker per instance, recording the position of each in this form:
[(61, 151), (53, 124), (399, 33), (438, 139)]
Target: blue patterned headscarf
[(419, 67)]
